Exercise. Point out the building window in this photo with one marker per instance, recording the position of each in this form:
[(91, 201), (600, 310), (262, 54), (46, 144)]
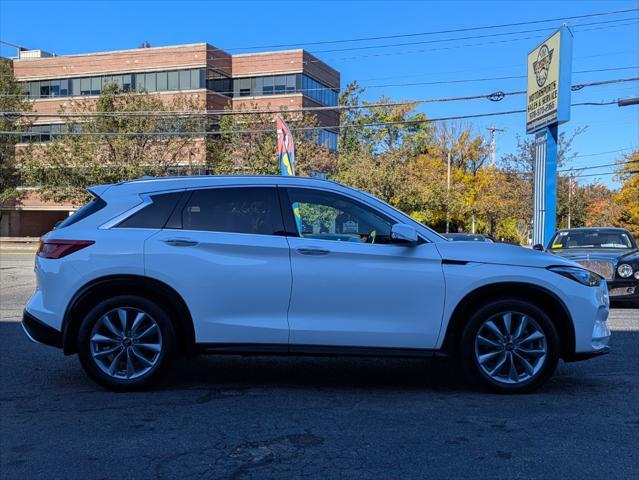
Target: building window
[(41, 133), (243, 88), (173, 80), (196, 78), (85, 86), (45, 88), (95, 86), (327, 139), (55, 88), (267, 88), (284, 84), (185, 79), (127, 82), (149, 81), (162, 81)]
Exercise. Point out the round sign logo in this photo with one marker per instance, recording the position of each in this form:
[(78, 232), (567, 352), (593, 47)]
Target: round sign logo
[(542, 64)]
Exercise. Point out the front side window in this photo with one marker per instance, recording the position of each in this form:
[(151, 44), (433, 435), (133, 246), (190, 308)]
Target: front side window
[(252, 210), (330, 216)]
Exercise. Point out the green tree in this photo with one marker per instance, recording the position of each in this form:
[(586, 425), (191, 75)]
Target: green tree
[(247, 144), (12, 99), (113, 139)]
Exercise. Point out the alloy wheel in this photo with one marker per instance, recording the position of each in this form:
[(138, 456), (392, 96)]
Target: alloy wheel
[(510, 347), (126, 343)]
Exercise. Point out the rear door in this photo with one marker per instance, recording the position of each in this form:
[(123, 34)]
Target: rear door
[(224, 252)]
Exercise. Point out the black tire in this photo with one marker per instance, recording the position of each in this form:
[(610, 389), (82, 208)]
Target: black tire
[(470, 363), (167, 340)]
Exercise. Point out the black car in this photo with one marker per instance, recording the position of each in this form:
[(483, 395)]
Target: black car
[(610, 252), (468, 237)]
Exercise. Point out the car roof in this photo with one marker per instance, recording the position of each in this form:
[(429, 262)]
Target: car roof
[(161, 184), (579, 229)]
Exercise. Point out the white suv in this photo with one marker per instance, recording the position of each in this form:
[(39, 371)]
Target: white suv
[(287, 265)]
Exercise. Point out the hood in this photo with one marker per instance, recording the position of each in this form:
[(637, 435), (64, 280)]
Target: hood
[(598, 254), (499, 253)]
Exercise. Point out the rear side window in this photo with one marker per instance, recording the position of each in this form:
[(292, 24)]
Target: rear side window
[(154, 215), (253, 210), (89, 209)]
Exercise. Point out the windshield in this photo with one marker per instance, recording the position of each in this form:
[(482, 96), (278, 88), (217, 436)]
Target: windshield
[(597, 239)]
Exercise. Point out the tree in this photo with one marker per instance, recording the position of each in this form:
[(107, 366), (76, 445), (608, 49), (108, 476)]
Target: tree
[(377, 145), (12, 99), (628, 196), (522, 164), (118, 141), (247, 144)]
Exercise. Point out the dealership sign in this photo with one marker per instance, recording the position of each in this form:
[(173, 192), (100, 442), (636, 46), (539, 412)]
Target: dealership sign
[(549, 71)]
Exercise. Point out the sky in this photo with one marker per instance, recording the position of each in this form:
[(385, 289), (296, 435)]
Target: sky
[(401, 72)]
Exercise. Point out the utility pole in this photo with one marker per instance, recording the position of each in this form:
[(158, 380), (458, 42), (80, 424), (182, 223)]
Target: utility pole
[(570, 187), (492, 131), (448, 197)]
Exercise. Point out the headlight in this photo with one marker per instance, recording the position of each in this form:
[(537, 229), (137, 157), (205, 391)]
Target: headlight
[(581, 275), (637, 274), (624, 270)]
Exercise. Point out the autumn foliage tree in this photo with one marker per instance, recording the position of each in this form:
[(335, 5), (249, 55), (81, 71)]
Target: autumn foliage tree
[(628, 196)]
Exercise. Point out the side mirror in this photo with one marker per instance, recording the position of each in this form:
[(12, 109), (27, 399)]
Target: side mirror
[(402, 233), (538, 246)]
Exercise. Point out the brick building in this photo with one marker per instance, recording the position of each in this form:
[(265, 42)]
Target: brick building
[(213, 78)]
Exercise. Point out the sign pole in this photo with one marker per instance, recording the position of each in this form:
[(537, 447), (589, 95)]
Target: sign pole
[(545, 196), (548, 105)]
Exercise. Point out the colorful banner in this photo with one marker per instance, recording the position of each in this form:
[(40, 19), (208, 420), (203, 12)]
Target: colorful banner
[(285, 148), (286, 156)]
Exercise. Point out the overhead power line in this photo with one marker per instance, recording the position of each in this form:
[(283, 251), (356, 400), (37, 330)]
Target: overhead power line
[(591, 167), (323, 127), (494, 96), (262, 58), (607, 152), (435, 32), (473, 37), (605, 174)]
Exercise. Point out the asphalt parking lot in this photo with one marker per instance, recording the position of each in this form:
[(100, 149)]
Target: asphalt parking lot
[(267, 417)]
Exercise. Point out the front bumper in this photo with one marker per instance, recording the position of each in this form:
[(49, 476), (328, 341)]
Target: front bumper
[(622, 290), (576, 357), (39, 332)]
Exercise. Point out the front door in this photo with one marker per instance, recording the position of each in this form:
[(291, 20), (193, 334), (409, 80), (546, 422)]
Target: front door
[(224, 253), (352, 286)]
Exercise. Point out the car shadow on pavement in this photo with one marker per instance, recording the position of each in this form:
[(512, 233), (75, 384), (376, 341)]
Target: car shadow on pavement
[(312, 371), (273, 372)]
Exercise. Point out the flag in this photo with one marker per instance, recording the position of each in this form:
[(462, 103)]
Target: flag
[(285, 148), (286, 156)]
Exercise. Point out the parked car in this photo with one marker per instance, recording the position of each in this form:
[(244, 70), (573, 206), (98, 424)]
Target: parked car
[(155, 267), (610, 252), (468, 237)]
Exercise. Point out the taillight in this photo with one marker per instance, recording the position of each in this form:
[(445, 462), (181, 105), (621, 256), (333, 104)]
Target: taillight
[(61, 248)]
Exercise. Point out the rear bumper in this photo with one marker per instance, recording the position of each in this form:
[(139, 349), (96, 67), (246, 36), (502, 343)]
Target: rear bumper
[(39, 332)]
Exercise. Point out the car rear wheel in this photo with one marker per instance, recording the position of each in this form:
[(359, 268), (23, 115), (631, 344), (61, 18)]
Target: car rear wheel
[(126, 342), (509, 346)]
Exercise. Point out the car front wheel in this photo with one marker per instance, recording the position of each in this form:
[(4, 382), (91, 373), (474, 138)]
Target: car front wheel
[(126, 342), (510, 346)]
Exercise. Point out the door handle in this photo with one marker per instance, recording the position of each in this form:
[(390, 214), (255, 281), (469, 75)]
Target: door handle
[(180, 242), (313, 251)]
